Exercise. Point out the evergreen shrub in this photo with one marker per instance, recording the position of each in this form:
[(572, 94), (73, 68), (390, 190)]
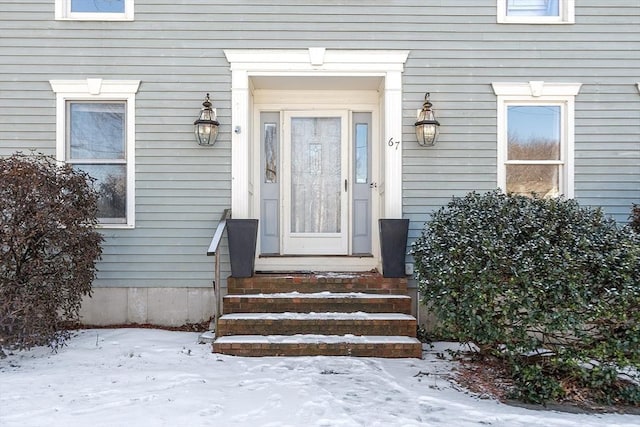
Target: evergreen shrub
[(548, 286), (48, 249), (634, 218)]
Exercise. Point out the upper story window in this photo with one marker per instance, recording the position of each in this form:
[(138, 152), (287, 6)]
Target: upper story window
[(536, 11), (95, 10), (536, 137), (95, 131)]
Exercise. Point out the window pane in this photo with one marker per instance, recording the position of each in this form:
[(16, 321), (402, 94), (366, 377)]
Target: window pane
[(533, 8), (544, 180), (533, 132), (111, 183), (270, 153), (96, 130), (362, 150), (98, 6)]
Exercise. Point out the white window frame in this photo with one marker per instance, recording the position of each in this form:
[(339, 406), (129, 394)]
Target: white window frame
[(538, 93), (96, 89), (63, 12), (566, 15)]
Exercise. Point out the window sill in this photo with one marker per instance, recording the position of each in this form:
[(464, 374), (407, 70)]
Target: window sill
[(97, 18), (534, 21), (116, 226)]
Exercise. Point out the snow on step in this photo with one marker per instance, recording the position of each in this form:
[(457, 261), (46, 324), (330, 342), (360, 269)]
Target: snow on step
[(324, 294), (359, 315), (315, 339)]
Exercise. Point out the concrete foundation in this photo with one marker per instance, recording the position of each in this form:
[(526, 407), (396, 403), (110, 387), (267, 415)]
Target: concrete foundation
[(157, 306), (426, 318)]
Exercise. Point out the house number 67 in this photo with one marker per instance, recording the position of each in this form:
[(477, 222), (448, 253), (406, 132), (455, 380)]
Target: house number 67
[(391, 143)]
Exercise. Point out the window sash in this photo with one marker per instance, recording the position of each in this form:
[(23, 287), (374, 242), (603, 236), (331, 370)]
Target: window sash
[(543, 184), (90, 10), (97, 6), (533, 8), (536, 11), (106, 140), (545, 180), (111, 185), (534, 131), (361, 153), (92, 126)]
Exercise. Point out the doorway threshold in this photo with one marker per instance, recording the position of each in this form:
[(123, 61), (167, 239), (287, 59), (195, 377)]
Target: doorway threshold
[(356, 262), (315, 256)]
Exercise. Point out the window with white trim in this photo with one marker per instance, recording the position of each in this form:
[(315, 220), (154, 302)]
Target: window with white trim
[(536, 137), (95, 132), (536, 11), (94, 10)]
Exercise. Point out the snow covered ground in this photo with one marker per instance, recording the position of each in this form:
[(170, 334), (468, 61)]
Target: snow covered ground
[(143, 377)]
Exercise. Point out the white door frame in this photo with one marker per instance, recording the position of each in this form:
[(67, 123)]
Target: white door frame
[(281, 101), (388, 65)]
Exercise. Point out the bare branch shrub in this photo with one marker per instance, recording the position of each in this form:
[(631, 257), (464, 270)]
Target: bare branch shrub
[(48, 249)]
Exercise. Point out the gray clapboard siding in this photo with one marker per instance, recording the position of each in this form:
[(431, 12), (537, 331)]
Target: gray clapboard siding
[(456, 51)]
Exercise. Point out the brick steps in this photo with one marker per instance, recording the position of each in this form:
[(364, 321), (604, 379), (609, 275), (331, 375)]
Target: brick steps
[(319, 345), (368, 282), (316, 302), (332, 314), (381, 324)]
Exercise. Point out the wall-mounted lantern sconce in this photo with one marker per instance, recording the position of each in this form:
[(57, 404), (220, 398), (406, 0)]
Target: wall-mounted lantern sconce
[(427, 125), (206, 127)]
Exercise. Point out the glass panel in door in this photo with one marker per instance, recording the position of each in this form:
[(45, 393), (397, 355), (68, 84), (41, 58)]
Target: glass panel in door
[(316, 218)]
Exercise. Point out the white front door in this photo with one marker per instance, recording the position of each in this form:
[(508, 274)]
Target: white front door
[(315, 183)]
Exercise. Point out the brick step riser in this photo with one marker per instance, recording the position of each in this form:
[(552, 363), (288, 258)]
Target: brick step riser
[(266, 285), (305, 349), (235, 305), (313, 288), (321, 327)]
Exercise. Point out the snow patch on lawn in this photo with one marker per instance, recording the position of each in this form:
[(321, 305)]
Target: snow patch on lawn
[(144, 377)]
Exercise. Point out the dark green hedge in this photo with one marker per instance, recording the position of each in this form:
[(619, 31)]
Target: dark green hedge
[(543, 283)]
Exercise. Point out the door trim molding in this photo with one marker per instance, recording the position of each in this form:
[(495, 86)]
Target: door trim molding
[(245, 63)]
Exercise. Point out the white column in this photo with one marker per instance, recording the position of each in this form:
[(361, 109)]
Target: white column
[(239, 144), (393, 151)]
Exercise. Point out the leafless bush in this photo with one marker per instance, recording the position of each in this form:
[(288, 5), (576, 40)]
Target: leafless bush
[(48, 249)]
